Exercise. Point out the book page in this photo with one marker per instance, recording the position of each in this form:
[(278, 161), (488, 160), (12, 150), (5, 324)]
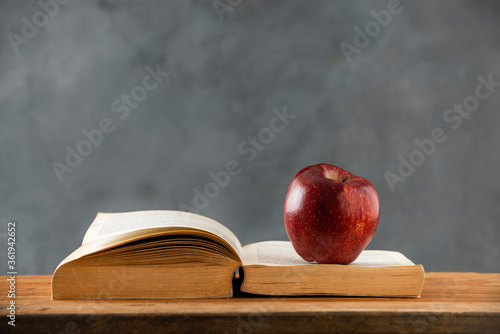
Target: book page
[(111, 225), (282, 253)]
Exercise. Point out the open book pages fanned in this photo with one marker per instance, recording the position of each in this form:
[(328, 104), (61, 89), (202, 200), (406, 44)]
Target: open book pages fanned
[(174, 254)]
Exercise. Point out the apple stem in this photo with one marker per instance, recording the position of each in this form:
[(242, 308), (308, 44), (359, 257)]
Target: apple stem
[(345, 178)]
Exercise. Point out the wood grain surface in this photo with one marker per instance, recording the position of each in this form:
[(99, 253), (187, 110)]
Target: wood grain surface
[(450, 303)]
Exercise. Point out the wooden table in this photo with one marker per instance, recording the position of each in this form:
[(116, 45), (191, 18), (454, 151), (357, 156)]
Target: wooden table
[(450, 303)]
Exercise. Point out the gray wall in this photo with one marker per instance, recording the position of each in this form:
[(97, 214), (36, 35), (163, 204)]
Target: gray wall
[(225, 78)]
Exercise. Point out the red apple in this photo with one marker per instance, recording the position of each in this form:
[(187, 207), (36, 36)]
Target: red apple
[(330, 214)]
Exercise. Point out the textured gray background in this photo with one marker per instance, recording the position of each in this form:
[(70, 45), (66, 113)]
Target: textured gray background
[(225, 79)]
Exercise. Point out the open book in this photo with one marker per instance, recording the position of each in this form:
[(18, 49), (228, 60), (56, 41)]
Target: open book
[(174, 254)]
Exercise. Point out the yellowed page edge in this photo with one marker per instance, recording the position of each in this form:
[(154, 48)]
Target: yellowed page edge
[(120, 239), (106, 225)]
